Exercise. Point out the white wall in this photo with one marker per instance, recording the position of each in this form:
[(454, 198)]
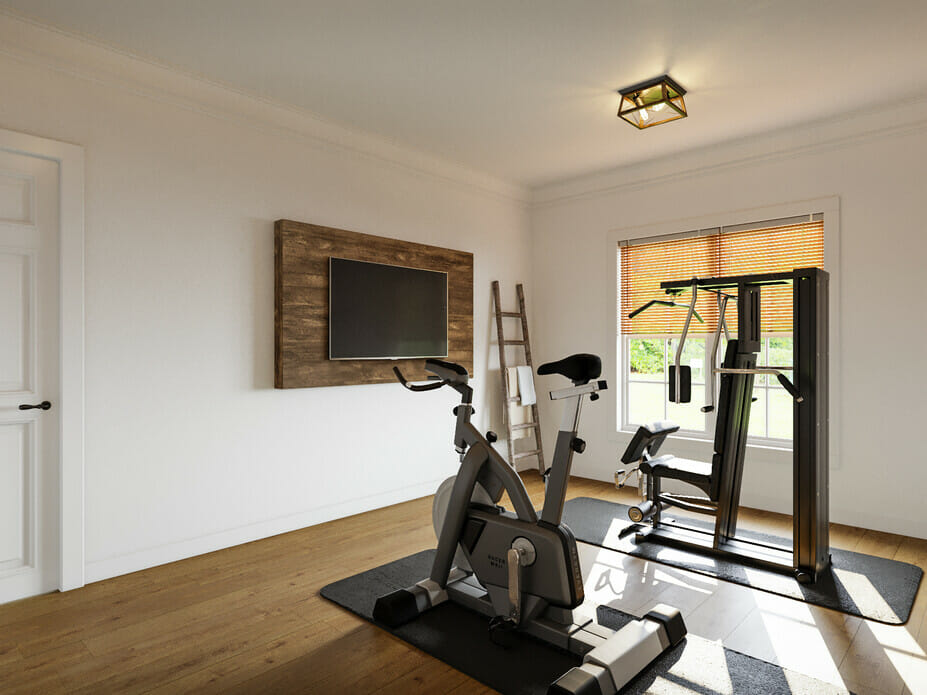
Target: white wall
[(188, 446), (876, 163)]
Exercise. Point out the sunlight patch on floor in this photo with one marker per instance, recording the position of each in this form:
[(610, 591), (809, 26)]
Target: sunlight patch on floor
[(863, 592), (799, 645), (904, 653)]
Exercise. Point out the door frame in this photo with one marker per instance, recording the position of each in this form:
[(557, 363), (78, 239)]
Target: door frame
[(70, 159)]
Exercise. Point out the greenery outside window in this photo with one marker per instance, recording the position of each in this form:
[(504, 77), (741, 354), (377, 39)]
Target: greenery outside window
[(646, 375)]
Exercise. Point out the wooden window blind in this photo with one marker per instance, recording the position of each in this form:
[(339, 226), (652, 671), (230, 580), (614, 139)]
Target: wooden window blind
[(642, 267)]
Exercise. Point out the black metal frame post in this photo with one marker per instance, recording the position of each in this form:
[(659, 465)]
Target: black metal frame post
[(749, 342), (811, 514)]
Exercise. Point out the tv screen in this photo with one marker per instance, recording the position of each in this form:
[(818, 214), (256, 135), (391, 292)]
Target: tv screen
[(379, 311)]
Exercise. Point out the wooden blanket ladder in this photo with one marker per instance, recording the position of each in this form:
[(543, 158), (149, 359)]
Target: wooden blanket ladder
[(508, 398)]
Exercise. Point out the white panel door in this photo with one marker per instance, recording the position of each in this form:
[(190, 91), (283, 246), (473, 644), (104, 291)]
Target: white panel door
[(29, 365)]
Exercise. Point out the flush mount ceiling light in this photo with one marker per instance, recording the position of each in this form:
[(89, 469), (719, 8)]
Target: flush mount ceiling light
[(652, 102)]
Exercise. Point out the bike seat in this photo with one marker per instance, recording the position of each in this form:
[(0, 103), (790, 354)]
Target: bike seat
[(580, 368)]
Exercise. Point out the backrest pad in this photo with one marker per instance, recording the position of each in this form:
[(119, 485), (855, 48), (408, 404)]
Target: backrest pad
[(648, 438)]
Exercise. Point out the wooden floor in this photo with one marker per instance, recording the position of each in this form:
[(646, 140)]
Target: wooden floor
[(250, 619)]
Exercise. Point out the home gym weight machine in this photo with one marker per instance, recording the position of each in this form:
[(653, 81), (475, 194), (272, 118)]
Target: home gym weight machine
[(721, 480), (522, 569)]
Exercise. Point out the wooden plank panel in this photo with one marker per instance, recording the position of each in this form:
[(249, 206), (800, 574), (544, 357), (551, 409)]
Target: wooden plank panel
[(301, 257)]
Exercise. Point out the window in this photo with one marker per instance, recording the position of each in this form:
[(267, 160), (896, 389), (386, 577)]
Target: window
[(649, 358), (647, 344)]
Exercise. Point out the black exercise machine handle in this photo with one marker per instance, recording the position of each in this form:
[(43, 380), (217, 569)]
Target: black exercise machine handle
[(783, 379), (649, 304), (662, 302), (790, 387), (417, 387)]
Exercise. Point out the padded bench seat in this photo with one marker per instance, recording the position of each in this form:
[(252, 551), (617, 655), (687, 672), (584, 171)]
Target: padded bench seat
[(694, 472)]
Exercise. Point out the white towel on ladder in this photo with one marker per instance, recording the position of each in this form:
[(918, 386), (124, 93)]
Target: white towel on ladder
[(518, 414), (511, 375), (526, 386)]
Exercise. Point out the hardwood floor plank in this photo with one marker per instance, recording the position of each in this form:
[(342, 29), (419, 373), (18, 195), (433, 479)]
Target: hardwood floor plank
[(240, 605), (30, 608), (432, 677), (9, 654), (86, 621), (472, 687), (162, 658), (845, 537), (325, 668), (879, 543), (377, 668), (912, 550), (40, 673), (254, 662)]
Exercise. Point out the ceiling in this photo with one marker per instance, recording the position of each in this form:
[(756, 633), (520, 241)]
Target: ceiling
[(525, 90)]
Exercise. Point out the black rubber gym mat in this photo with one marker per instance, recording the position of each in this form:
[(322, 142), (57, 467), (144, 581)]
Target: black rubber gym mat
[(863, 585), (461, 639)]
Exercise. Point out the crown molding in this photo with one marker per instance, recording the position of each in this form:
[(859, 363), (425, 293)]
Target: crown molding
[(41, 45), (830, 134)]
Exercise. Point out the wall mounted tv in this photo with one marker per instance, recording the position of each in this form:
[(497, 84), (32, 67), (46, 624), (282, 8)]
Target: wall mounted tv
[(379, 311)]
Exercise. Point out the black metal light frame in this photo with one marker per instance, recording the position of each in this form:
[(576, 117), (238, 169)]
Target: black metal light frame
[(641, 100)]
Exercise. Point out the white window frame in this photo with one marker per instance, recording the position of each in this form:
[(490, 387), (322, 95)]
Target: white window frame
[(629, 426), (777, 450)]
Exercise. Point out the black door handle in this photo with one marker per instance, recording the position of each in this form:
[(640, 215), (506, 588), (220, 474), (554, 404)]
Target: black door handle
[(44, 405)]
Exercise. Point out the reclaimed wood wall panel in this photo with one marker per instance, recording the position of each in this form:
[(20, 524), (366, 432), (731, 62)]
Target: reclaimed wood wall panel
[(301, 253)]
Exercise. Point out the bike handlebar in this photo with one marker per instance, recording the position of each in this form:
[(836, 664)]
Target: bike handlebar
[(418, 387)]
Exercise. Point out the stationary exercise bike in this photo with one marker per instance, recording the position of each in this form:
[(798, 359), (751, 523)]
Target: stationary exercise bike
[(520, 569)]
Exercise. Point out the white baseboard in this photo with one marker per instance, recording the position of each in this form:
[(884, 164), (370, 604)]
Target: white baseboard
[(152, 557)]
